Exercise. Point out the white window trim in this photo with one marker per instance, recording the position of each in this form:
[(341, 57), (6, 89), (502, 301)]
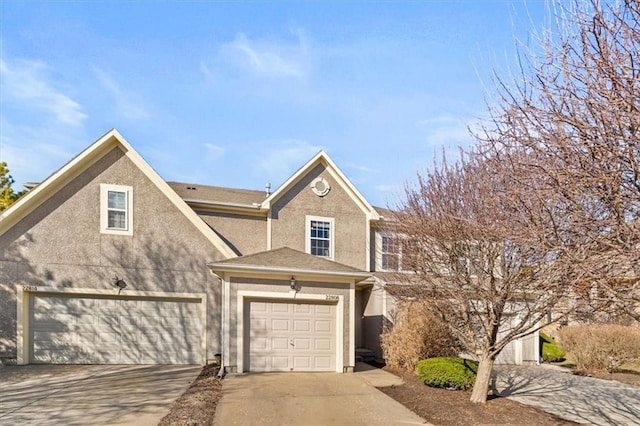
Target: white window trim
[(332, 232), (104, 204), (379, 253)]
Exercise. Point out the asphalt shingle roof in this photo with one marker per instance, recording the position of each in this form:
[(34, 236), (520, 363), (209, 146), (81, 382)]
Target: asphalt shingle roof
[(286, 257)]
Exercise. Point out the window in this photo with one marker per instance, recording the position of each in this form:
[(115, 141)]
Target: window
[(116, 209), (319, 240), (390, 253)]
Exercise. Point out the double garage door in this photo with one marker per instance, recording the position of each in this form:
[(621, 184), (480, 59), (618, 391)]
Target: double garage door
[(285, 336), (67, 329)]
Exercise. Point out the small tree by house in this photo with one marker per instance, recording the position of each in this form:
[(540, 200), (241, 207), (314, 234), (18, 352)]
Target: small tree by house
[(475, 256)]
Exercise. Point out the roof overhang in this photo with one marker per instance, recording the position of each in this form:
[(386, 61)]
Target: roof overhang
[(263, 270)]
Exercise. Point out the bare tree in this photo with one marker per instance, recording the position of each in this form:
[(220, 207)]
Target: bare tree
[(478, 256), (568, 129)]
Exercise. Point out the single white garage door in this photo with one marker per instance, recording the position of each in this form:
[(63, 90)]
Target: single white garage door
[(68, 329), (291, 336)]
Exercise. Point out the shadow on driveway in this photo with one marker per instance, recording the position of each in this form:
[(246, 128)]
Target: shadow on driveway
[(91, 394), (576, 398)]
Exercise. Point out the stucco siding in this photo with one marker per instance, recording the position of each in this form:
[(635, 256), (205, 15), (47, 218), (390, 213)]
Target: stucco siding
[(245, 234), (60, 245), (288, 223)]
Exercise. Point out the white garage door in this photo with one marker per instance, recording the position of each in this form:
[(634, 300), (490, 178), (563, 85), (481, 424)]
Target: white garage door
[(291, 336), (106, 330)]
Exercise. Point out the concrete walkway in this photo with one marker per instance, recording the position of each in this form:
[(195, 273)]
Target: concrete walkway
[(311, 399), (90, 394), (576, 398)]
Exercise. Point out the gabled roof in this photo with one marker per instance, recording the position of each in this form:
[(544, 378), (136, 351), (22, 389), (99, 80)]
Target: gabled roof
[(287, 260), (110, 140), (323, 159)]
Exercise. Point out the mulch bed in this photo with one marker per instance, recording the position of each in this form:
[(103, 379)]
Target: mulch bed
[(197, 406), (452, 408)]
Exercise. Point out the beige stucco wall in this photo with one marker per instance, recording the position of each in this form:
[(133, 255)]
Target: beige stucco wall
[(244, 233), (289, 224), (60, 245), (281, 287)]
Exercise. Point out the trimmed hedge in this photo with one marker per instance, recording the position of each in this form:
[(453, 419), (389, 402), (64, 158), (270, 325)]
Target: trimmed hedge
[(549, 350), (448, 372)]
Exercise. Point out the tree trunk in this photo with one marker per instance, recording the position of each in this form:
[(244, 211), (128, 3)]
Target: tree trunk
[(483, 379)]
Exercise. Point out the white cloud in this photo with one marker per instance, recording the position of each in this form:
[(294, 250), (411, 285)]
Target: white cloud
[(28, 83), (34, 152), (271, 59), (213, 152), (127, 104)]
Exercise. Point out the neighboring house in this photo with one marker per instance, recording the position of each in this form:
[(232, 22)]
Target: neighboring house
[(104, 262)]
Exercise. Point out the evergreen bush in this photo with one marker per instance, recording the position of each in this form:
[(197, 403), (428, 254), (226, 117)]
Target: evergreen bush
[(448, 372)]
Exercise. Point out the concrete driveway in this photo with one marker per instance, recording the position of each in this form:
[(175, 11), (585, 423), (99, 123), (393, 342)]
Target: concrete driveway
[(311, 399), (91, 394), (580, 399)]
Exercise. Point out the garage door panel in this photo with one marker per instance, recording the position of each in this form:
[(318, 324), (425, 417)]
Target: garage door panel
[(302, 309), (322, 363), (68, 329), (280, 324), (286, 336), (321, 326), (323, 309), (301, 325), (302, 363), (279, 343), (280, 363), (301, 344), (323, 344)]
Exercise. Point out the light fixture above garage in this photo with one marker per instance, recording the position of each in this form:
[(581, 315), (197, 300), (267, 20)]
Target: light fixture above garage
[(293, 283), (118, 282)]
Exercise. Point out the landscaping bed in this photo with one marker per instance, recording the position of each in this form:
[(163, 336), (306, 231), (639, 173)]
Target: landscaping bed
[(197, 406), (446, 407)]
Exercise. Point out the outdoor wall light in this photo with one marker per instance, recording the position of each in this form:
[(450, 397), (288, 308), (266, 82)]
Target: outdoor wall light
[(293, 283), (117, 282)]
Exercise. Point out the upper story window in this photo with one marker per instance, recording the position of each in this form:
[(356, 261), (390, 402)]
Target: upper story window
[(390, 252), (390, 249), (116, 209), (319, 239)]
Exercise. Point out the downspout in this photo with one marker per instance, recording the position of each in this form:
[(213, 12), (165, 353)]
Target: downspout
[(221, 372)]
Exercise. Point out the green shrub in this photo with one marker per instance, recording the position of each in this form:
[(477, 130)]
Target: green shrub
[(549, 350), (448, 372)]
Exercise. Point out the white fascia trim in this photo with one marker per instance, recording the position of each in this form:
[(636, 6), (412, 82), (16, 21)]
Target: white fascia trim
[(293, 296), (24, 294), (56, 180), (322, 158), (352, 325), (176, 200), (359, 276)]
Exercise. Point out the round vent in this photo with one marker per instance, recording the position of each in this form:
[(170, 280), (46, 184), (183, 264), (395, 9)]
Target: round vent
[(320, 186)]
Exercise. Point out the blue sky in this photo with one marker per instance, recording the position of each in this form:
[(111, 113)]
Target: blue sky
[(239, 94)]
